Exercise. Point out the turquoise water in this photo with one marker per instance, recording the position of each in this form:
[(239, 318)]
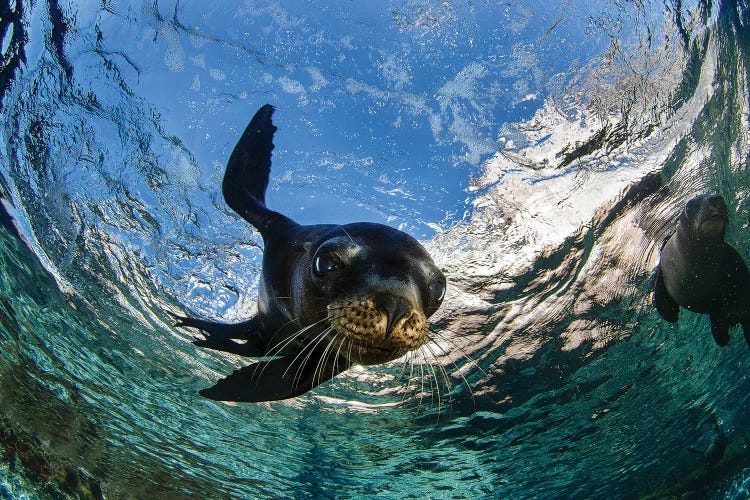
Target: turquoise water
[(541, 151)]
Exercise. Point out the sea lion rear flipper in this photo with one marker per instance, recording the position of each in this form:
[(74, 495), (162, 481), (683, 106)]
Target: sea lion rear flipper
[(720, 328), (246, 177), (224, 336), (665, 306), (274, 380)]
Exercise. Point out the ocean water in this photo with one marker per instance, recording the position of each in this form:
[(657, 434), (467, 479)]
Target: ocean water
[(540, 150)]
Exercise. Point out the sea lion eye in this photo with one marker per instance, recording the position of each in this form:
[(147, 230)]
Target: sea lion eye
[(325, 263), (437, 289)]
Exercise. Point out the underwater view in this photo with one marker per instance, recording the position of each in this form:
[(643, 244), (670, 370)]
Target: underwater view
[(532, 161)]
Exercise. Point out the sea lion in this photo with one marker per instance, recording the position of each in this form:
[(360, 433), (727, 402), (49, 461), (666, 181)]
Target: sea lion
[(716, 446), (330, 296), (699, 271)]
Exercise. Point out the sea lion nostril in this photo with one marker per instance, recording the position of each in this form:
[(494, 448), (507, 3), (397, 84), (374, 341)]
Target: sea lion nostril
[(394, 308)]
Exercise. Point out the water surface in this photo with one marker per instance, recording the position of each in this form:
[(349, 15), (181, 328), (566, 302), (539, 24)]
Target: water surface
[(541, 151)]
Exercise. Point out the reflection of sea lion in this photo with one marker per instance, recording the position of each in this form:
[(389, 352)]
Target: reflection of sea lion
[(716, 446), (700, 272), (330, 296)]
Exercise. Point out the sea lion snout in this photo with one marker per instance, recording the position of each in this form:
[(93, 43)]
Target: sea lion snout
[(705, 217), (394, 308), (377, 328), (707, 206)]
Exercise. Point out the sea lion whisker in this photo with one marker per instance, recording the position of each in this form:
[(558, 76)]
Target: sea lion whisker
[(303, 363), (401, 391), (421, 390), (282, 344), (468, 385), (466, 355), (454, 344), (286, 340), (408, 382), (348, 235), (403, 365), (449, 384), (310, 346), (274, 350), (338, 355), (441, 367), (436, 386), (403, 383), (338, 342), (313, 347), (318, 373), (338, 307), (426, 376), (434, 330), (466, 381), (283, 327), (351, 344), (277, 348), (342, 307), (417, 387), (323, 357)]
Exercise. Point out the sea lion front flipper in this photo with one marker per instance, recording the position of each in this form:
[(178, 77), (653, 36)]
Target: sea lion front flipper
[(281, 378), (720, 328), (224, 336), (249, 165), (665, 306), (246, 177)]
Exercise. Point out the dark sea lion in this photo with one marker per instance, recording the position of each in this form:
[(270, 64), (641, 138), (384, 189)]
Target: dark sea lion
[(716, 445), (699, 271), (330, 296)]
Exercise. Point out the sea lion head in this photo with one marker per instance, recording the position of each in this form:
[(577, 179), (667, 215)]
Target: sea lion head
[(375, 285), (706, 217)]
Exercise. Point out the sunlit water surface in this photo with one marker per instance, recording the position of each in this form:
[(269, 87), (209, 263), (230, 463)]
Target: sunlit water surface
[(541, 151)]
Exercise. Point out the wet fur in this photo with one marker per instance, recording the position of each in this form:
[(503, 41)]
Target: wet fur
[(700, 272)]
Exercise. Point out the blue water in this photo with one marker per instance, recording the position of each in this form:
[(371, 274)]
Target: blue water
[(540, 150)]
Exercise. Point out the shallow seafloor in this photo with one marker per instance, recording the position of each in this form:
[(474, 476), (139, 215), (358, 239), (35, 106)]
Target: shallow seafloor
[(541, 151)]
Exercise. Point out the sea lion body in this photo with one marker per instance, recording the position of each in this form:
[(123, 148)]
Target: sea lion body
[(329, 295), (699, 271)]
